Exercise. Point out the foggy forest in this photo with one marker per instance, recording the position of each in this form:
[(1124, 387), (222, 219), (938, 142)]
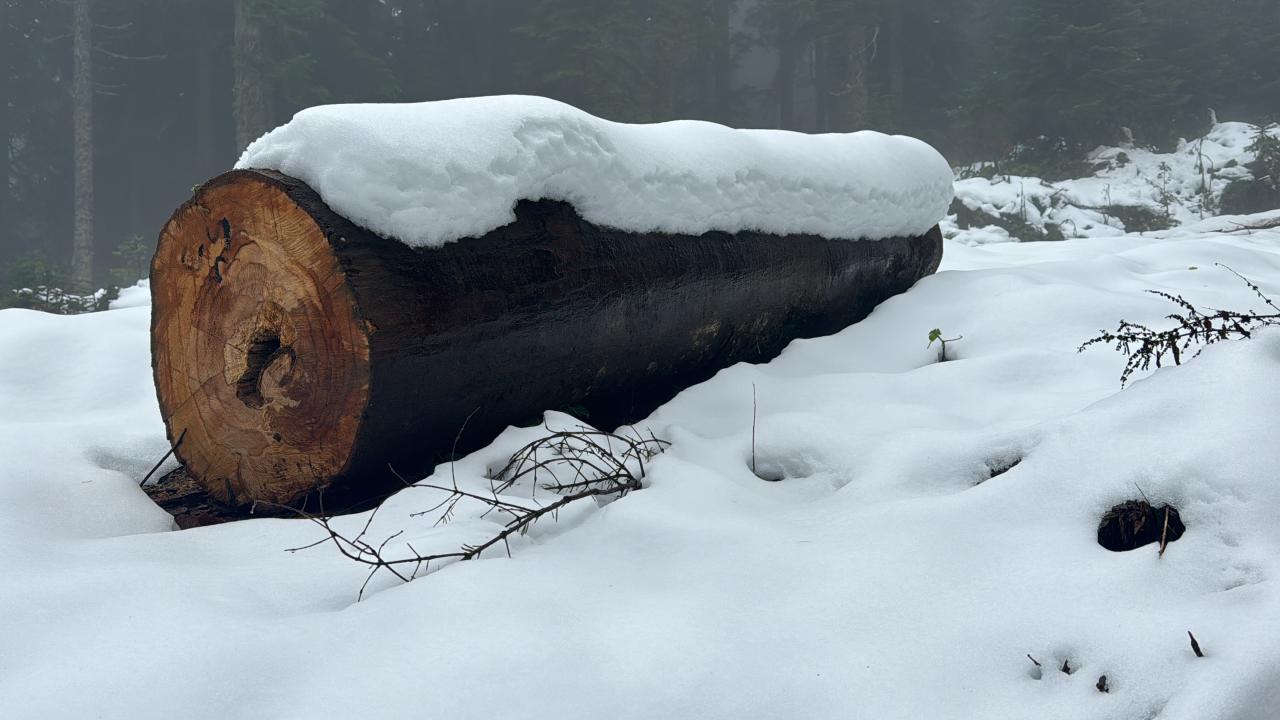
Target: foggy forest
[(114, 109), (640, 359)]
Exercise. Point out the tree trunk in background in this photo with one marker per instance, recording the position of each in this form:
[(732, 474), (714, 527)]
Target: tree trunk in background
[(784, 83), (408, 59), (720, 56), (6, 92), (496, 48), (250, 97), (206, 110), (822, 85), (863, 47), (846, 68), (896, 59), (82, 147)]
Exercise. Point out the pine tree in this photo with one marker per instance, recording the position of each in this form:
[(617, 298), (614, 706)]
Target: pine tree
[(846, 46), (291, 54), (1251, 83), (1080, 69), (787, 28), (631, 60)]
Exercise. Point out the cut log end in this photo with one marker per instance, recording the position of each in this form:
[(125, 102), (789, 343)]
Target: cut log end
[(260, 351)]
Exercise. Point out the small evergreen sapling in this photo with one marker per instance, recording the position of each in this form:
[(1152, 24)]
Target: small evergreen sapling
[(1266, 151), (134, 255)]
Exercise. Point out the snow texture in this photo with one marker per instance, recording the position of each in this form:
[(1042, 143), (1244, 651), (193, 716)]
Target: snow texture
[(1184, 185), (136, 295), (430, 173), (886, 575)]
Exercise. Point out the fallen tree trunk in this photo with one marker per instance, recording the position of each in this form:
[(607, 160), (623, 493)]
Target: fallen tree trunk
[(301, 353)]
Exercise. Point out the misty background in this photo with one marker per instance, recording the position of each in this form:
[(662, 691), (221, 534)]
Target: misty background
[(112, 110)]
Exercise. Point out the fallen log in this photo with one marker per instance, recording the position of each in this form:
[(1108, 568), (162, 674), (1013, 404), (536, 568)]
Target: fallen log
[(301, 353)]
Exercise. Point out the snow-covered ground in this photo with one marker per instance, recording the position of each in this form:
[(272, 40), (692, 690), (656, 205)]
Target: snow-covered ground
[(1180, 187), (885, 576)]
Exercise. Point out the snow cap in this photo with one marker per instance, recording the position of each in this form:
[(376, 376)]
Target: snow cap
[(430, 173)]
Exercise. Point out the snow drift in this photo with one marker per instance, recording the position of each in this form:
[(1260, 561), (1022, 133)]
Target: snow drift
[(430, 173)]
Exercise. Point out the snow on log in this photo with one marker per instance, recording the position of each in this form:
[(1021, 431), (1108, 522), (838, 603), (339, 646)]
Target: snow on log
[(296, 350), (430, 173)]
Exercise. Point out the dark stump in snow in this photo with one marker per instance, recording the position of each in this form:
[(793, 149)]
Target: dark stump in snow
[(1135, 523), (1246, 197), (303, 354), (190, 504)]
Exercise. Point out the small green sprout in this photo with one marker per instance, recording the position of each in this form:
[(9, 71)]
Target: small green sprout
[(935, 336)]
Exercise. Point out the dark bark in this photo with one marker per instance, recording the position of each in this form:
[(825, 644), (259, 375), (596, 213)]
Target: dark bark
[(548, 312)]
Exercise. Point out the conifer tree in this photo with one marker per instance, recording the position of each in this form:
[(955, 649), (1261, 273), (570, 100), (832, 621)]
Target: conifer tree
[(633, 60), (1081, 69)]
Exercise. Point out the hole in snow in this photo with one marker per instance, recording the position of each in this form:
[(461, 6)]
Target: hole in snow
[(1000, 465), (770, 475), (1135, 523), (776, 468)]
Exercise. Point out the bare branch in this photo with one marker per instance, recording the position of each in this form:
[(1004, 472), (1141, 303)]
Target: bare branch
[(172, 450), (601, 466), (120, 56), (1195, 327)]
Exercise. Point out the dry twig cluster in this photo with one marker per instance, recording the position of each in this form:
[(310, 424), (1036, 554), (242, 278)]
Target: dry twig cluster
[(1195, 326), (571, 465)]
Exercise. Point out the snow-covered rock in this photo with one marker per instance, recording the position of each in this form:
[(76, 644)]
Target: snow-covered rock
[(1132, 188), (136, 295), (430, 173)]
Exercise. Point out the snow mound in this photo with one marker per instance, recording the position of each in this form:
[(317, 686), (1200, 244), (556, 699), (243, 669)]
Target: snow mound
[(430, 173), (136, 295), (1132, 189)]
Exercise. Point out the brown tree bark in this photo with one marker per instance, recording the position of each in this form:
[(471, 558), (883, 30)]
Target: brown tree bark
[(294, 351), (82, 145)]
